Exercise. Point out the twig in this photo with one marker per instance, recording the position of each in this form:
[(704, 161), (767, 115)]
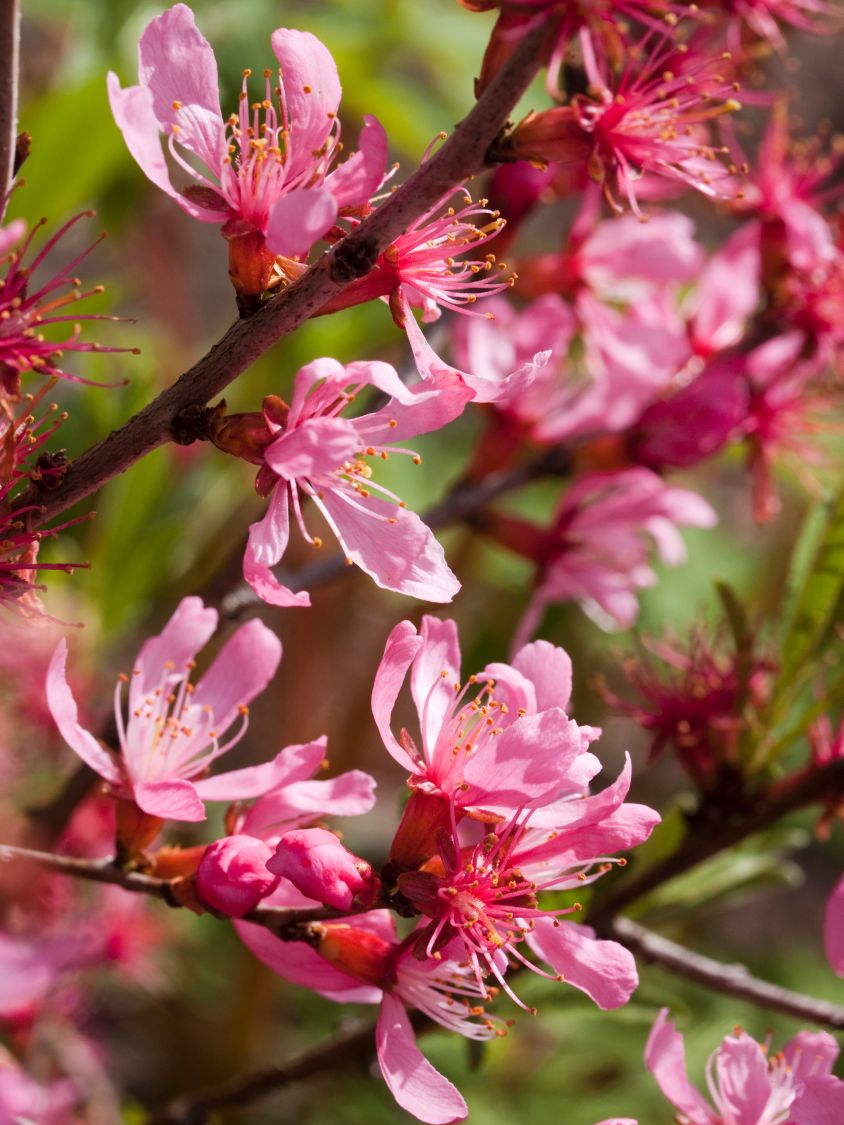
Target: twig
[(349, 1046), (461, 156), (818, 784), (733, 980), (9, 60)]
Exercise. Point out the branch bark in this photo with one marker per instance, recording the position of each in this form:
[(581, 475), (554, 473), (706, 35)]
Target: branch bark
[(9, 67), (732, 980), (461, 156)]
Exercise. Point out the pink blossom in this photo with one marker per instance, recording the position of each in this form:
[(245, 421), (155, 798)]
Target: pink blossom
[(747, 1085), (762, 19), (175, 730), (597, 551), (32, 965), (22, 1098), (498, 741), (318, 865), (264, 173), (233, 877), (833, 928), (311, 451), (727, 294)]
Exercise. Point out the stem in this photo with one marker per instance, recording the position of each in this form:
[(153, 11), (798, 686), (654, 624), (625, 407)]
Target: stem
[(460, 157), (817, 784), (9, 60), (732, 980)]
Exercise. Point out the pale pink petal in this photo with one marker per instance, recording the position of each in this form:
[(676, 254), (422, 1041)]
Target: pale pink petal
[(619, 1121), (171, 800), (169, 652), (665, 1058), (833, 928), (528, 763), (298, 220), (360, 176), (265, 546), (420, 409), (309, 398), (177, 64), (548, 668), (63, 709), (604, 970), (811, 1053), (741, 1068), (403, 555), (316, 447), (821, 1102), (348, 794), (623, 252), (255, 781), (413, 1082), (728, 292), (433, 693), (311, 91), (10, 234), (242, 669), (401, 649)]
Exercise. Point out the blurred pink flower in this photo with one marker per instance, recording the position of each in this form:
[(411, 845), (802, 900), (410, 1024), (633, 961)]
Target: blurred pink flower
[(746, 1084), (23, 1099), (309, 449), (174, 729), (833, 928), (264, 172)]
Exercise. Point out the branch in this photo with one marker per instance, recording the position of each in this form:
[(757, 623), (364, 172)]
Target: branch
[(460, 157), (278, 920), (733, 980), (351, 1045), (463, 501), (701, 843), (9, 57)]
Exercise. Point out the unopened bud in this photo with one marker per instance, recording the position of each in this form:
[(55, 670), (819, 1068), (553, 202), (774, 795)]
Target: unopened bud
[(318, 865), (233, 875)]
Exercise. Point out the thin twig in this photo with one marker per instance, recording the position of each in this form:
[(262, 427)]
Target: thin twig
[(732, 980), (9, 67), (461, 156), (817, 784)]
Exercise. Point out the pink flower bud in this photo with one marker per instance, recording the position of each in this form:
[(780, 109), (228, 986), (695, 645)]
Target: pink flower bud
[(233, 875), (318, 865)]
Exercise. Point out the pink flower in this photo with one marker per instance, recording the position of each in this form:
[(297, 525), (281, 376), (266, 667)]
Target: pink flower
[(499, 742), (761, 18), (747, 1086), (22, 1098), (175, 730), (232, 875), (31, 966), (264, 172), (598, 549), (833, 928), (318, 865), (310, 450)]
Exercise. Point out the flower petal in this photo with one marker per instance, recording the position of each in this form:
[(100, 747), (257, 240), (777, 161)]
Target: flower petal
[(833, 928), (244, 666), (265, 546), (401, 649), (318, 446), (744, 1086), (412, 1080), (298, 220), (821, 1102), (604, 970), (170, 651), (361, 175), (171, 800), (433, 692), (63, 709), (548, 667), (665, 1058), (311, 92)]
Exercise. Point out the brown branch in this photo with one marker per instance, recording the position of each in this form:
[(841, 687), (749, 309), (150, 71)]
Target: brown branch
[(732, 980), (461, 156), (702, 842), (9, 66)]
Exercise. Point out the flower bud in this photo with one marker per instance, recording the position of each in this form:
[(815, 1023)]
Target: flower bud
[(233, 875), (318, 865)]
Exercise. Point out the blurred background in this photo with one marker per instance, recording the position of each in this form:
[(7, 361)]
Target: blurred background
[(201, 1009)]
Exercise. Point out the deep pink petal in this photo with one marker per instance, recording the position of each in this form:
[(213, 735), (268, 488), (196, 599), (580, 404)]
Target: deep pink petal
[(171, 800), (316, 447), (665, 1058), (267, 543), (63, 709), (604, 970), (170, 651), (413, 1082), (177, 64), (433, 692), (299, 219), (401, 649), (361, 174), (403, 555), (242, 669), (311, 91), (833, 928)]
